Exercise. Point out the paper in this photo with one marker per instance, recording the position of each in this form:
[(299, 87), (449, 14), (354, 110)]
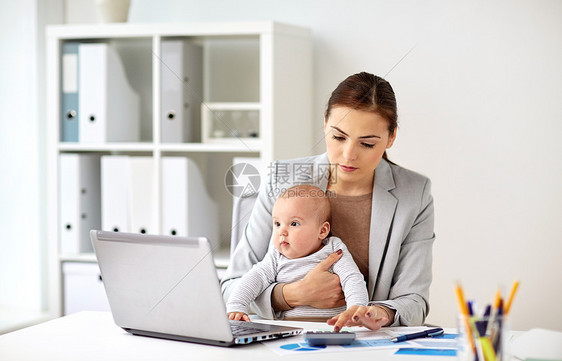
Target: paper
[(426, 352), (365, 339), (444, 345), (538, 344), (447, 340)]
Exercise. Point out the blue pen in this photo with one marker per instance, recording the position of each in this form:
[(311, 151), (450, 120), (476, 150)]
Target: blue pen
[(487, 311), (427, 333), (470, 311)]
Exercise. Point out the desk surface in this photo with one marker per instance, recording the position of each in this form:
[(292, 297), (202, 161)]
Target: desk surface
[(94, 336)]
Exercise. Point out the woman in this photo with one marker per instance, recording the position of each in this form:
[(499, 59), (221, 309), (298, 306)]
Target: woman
[(382, 212)]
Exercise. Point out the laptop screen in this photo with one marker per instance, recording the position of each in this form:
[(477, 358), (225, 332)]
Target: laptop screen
[(164, 284)]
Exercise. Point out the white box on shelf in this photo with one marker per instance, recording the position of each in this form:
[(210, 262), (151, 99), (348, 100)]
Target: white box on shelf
[(83, 288), (231, 123)]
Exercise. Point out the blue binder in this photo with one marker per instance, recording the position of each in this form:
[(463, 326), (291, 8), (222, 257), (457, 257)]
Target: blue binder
[(69, 92)]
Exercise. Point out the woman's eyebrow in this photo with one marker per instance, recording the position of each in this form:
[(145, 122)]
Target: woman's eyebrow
[(362, 137)]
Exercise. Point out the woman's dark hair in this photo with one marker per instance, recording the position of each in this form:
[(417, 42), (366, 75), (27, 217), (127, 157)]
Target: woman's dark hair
[(367, 92)]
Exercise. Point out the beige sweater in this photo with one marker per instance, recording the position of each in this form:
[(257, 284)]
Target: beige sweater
[(351, 218)]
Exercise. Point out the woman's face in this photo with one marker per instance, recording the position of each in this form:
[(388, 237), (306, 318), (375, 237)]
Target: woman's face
[(355, 141)]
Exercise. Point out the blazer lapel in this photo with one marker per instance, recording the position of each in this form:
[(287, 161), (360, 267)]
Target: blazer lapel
[(382, 213)]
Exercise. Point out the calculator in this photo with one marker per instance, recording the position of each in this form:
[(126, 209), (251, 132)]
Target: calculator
[(321, 338)]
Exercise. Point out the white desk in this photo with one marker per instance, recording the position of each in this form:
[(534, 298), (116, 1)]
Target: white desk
[(94, 336)]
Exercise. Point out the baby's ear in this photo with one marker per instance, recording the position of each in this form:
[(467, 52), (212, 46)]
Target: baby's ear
[(325, 230)]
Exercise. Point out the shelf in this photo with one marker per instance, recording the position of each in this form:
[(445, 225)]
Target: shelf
[(232, 105), (130, 30), (258, 74), (240, 146), (212, 147), (104, 147)]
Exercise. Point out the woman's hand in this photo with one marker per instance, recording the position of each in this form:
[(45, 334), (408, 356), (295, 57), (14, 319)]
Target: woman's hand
[(372, 317), (238, 316), (320, 288)]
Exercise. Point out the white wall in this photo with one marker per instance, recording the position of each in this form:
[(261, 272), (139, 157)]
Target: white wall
[(478, 96), (479, 99), (20, 261), (22, 164)]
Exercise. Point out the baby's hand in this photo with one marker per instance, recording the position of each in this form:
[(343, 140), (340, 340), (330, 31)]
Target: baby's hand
[(238, 316)]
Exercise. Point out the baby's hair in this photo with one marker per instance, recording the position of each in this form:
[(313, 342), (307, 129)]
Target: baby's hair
[(317, 195)]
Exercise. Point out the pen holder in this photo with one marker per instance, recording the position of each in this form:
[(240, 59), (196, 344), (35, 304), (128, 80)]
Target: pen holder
[(482, 338)]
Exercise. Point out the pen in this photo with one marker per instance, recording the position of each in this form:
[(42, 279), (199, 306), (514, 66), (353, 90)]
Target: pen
[(427, 333), (497, 329), (492, 318), (470, 308)]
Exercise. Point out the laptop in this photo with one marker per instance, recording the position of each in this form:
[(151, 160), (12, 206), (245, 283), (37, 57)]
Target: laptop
[(167, 287)]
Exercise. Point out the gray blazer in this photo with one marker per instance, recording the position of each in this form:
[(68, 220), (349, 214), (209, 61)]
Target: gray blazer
[(400, 244)]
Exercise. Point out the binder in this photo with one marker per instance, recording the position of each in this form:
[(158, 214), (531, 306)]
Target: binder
[(109, 107), (141, 202), (187, 208), (79, 193), (115, 189), (69, 94), (181, 90)]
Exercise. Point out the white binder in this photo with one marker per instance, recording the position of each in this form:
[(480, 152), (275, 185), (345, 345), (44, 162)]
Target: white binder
[(141, 202), (109, 107), (79, 192), (181, 90), (187, 208), (115, 189)]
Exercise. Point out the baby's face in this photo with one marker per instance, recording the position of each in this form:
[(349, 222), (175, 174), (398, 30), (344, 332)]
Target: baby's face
[(297, 232)]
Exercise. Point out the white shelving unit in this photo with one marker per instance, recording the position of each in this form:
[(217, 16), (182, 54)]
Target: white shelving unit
[(265, 67)]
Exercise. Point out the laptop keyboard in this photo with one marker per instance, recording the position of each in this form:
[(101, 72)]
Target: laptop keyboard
[(241, 328)]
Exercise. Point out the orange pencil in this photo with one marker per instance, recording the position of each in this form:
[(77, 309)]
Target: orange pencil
[(497, 299), (511, 295), (466, 315), (460, 298)]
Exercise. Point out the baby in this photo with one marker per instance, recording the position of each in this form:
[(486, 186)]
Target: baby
[(300, 240)]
